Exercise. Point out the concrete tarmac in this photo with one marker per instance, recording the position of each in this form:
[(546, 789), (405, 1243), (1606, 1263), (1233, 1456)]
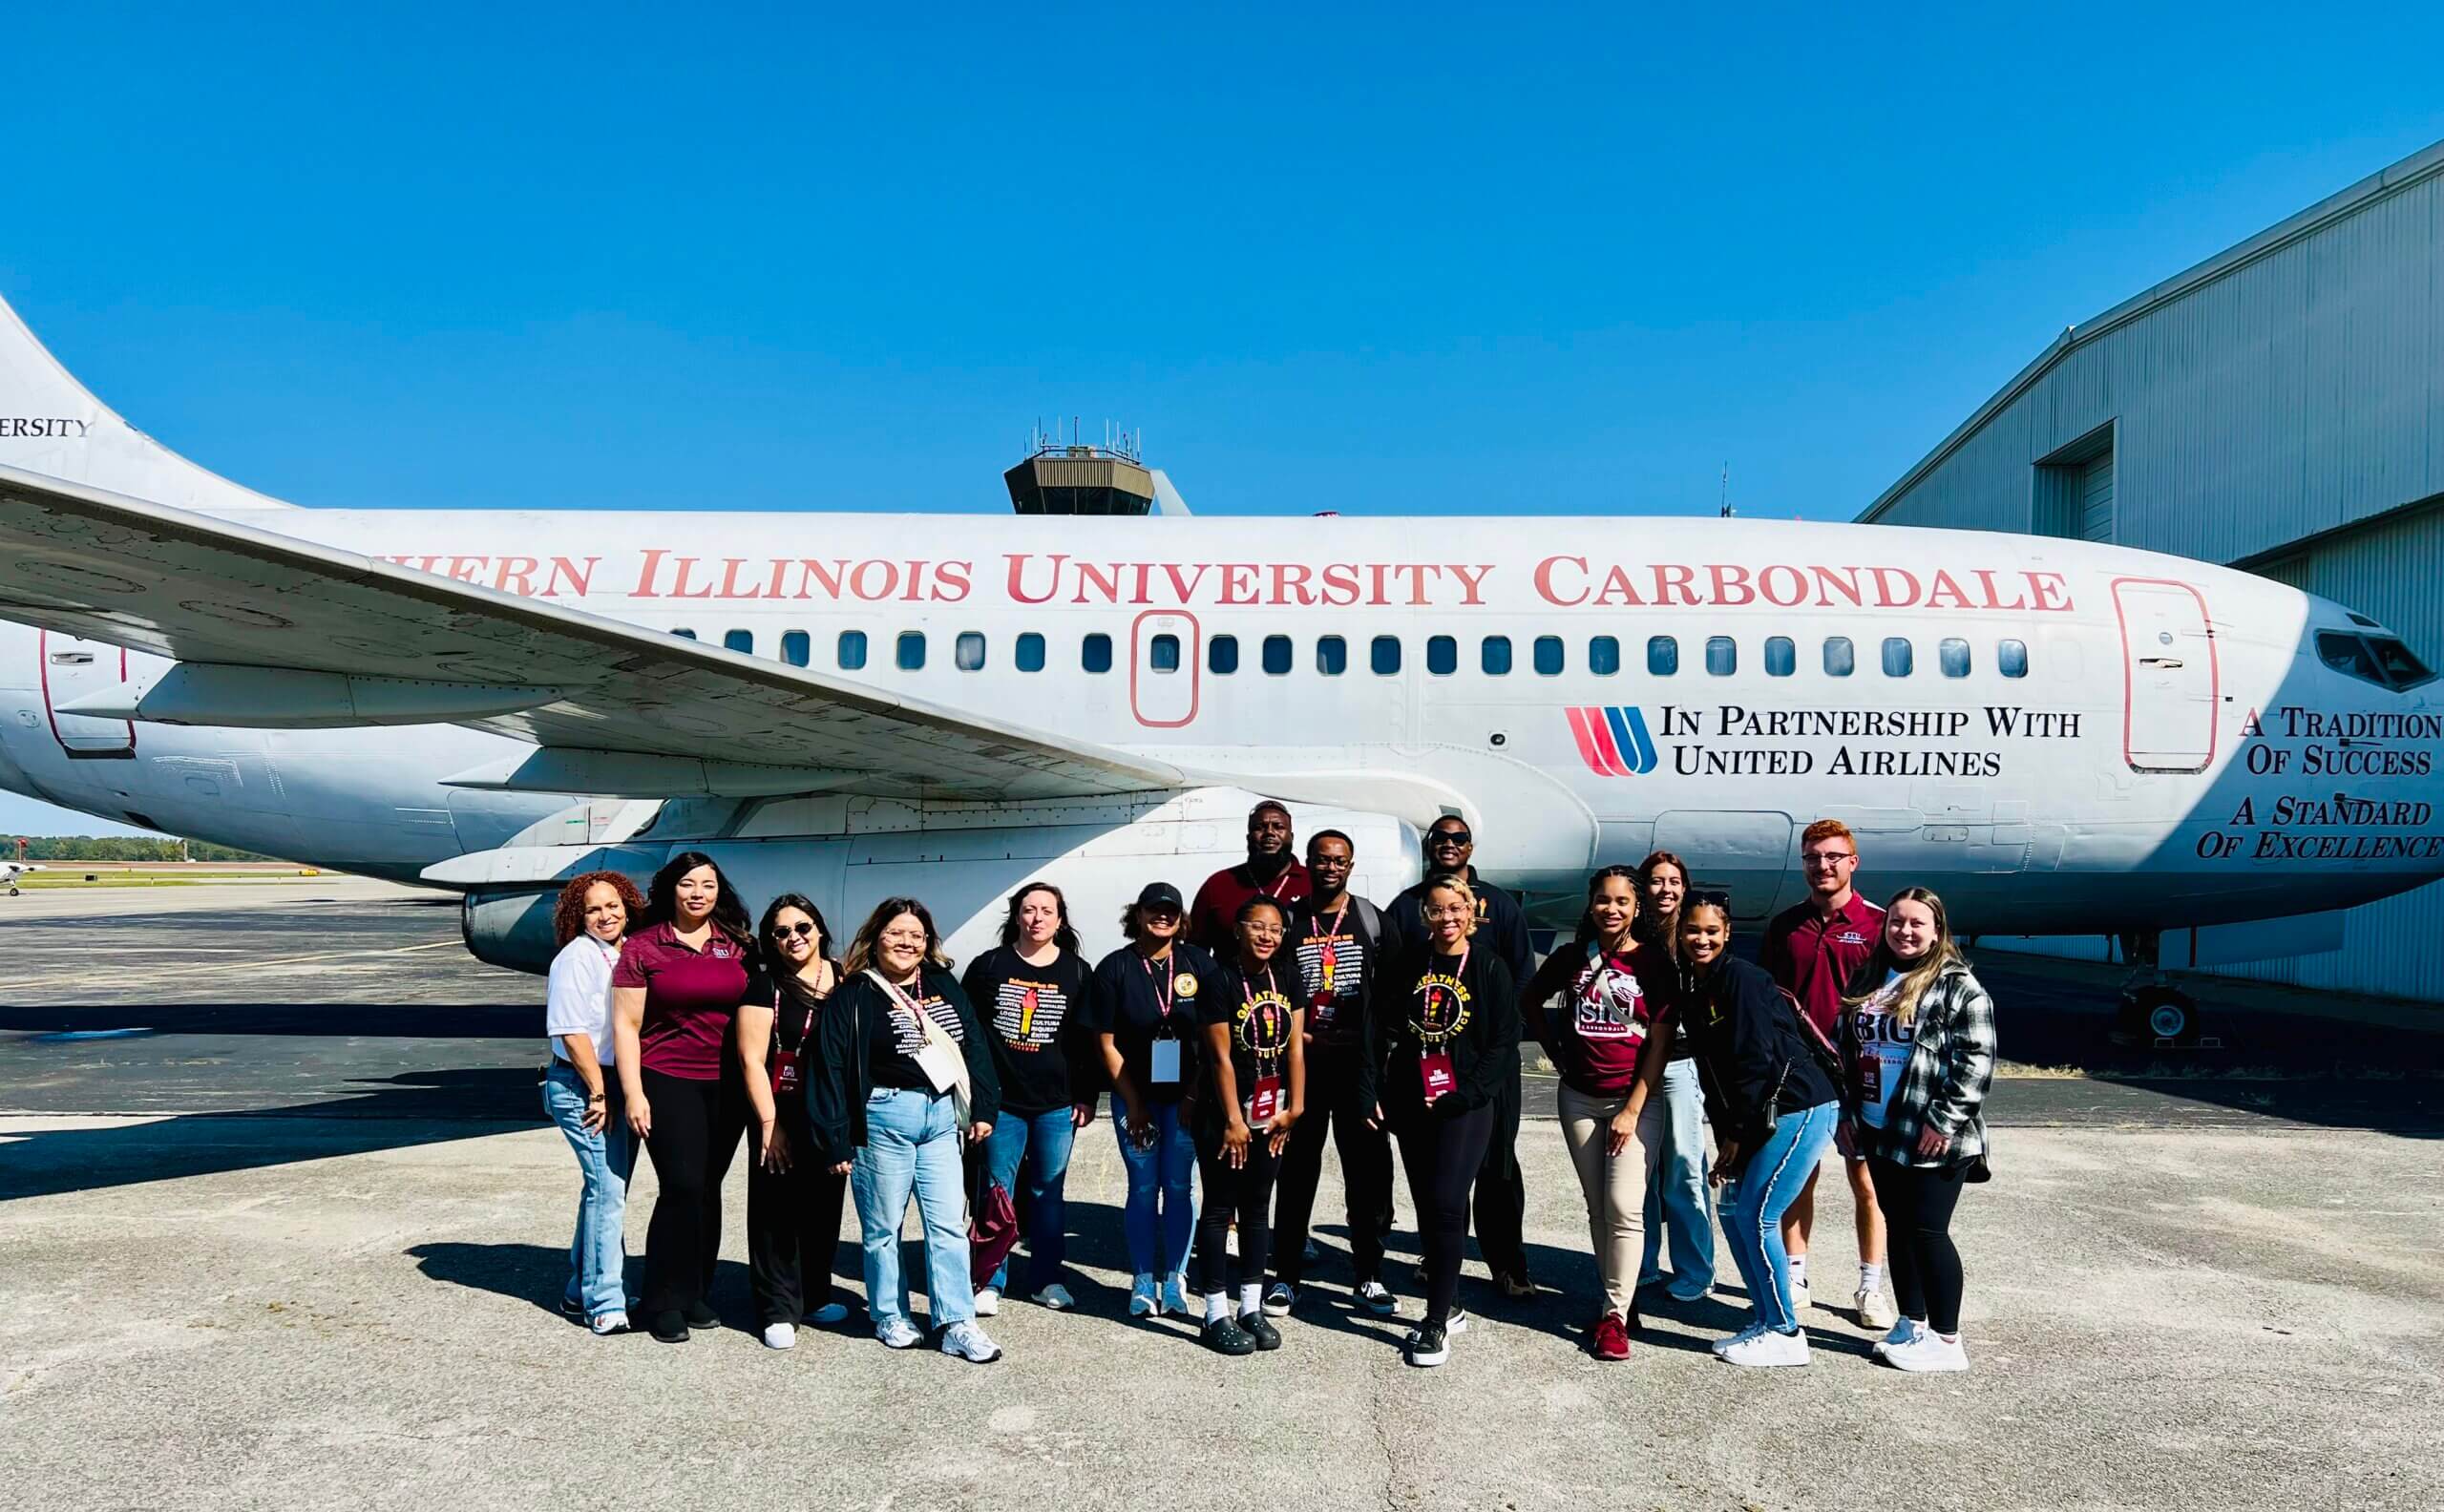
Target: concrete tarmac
[(300, 1241)]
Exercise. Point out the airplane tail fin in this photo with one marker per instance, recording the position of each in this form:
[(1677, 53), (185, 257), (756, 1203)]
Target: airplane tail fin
[(52, 424)]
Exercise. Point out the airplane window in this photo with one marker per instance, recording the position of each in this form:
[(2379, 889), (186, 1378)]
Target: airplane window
[(2399, 662), (797, 647), (1030, 652), (969, 651), (1900, 658), (1604, 656), (2011, 657), (1385, 656), (1332, 655), (1222, 654), (1953, 655), (1163, 653), (2349, 655), (1841, 658), (1662, 655), (1781, 655), (852, 650), (1094, 653), (1493, 655), (912, 650), (685, 635), (739, 640), (1722, 656), (1548, 656), (1442, 656), (1277, 654)]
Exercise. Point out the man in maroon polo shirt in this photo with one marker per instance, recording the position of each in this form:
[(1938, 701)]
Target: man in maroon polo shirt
[(1272, 867), (1812, 949)]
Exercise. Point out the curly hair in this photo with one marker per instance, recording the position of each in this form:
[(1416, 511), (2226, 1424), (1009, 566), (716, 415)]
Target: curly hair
[(568, 915)]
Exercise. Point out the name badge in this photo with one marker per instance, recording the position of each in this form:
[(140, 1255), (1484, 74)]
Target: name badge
[(1434, 1071), (1320, 1013), (1264, 1105), (786, 1081), (1166, 1058)]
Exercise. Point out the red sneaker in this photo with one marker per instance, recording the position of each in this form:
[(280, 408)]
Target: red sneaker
[(1611, 1339)]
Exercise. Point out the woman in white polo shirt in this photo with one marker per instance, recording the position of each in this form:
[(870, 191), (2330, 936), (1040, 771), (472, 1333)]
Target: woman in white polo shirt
[(581, 1092)]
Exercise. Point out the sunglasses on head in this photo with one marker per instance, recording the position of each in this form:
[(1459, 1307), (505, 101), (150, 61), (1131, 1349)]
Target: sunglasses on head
[(1457, 837), (800, 930)]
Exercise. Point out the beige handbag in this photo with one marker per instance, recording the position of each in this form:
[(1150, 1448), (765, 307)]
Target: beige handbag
[(940, 1058)]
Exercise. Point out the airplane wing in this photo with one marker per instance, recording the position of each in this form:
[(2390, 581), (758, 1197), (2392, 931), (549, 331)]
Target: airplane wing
[(614, 709)]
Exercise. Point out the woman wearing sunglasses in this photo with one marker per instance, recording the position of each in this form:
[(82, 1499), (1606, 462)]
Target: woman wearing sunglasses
[(1774, 1106), (793, 1200)]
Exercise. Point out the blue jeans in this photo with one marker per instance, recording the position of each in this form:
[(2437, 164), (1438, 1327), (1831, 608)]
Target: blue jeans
[(1042, 1142), (1677, 1198), (912, 1145), (1161, 1215), (598, 1253), (1751, 1220)]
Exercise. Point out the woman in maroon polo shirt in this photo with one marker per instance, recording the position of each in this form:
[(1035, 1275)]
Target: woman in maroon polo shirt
[(675, 992)]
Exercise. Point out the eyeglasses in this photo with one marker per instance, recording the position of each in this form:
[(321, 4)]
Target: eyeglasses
[(1827, 858), (800, 930), (1451, 837)]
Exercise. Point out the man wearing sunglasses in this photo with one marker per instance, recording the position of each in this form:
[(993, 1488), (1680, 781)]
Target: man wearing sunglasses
[(1812, 949), (1502, 1188), (1271, 869)]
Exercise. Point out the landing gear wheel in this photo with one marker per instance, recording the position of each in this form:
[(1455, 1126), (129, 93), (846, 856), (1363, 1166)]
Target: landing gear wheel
[(2162, 1015)]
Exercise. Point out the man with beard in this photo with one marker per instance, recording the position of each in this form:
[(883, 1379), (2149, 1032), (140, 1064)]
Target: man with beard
[(1271, 869)]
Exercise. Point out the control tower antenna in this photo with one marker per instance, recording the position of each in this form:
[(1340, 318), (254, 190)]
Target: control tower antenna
[(1725, 510)]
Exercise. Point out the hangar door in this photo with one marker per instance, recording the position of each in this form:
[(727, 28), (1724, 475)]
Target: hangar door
[(2171, 678)]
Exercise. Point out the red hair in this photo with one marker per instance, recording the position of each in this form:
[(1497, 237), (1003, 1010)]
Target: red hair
[(1827, 829), (568, 915)]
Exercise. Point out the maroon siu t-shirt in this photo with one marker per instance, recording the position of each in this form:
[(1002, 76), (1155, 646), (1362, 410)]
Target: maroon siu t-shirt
[(691, 995), (1612, 1003)]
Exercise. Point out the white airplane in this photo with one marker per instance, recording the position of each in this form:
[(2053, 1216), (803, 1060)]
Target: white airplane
[(2059, 737), (12, 870)]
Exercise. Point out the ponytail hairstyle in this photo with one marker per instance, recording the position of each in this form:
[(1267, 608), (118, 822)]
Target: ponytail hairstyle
[(1065, 937), (1587, 926), (1915, 978)]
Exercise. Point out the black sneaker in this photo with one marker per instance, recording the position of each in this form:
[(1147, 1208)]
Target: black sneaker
[(1428, 1345), (1227, 1337), (573, 1310), (670, 1328), (702, 1315), (1258, 1327)]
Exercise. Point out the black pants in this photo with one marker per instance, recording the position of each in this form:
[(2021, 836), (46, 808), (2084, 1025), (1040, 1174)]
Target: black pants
[(1365, 1168), (1502, 1187), (1443, 1157), (696, 1127), (793, 1225), (1917, 1206), (1245, 1194)]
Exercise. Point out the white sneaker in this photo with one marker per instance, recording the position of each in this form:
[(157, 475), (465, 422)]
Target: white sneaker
[(608, 1324), (989, 1302), (966, 1341), (1175, 1295), (829, 1313), (1377, 1298), (1928, 1352), (1457, 1321), (1280, 1298), (1904, 1331), (1056, 1297), (1874, 1312), (781, 1335), (1724, 1346), (899, 1334), (1143, 1300), (1768, 1350)]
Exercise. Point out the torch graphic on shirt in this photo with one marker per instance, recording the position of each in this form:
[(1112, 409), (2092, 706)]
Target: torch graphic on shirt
[(1328, 962), (1026, 1013)]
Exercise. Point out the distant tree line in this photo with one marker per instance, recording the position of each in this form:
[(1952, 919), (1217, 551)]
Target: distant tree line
[(120, 848)]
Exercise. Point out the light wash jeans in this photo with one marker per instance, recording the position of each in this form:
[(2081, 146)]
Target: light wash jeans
[(1040, 1142), (1161, 1216), (598, 1252), (1752, 1218), (912, 1146), (1676, 1199)]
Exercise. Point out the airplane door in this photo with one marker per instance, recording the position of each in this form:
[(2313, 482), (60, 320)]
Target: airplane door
[(1164, 665), (2171, 678), (72, 668)]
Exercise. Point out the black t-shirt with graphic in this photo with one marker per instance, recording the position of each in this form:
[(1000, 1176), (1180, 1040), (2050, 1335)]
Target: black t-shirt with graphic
[(1336, 953), (893, 1038), (1035, 1021), (1258, 1008), (1138, 1001)]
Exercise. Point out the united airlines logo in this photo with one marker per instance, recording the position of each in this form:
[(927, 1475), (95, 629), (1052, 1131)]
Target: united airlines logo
[(1612, 741)]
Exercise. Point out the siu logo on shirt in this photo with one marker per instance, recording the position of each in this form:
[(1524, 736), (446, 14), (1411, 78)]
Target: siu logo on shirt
[(1612, 741)]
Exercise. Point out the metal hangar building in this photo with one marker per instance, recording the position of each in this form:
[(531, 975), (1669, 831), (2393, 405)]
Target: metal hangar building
[(2278, 407)]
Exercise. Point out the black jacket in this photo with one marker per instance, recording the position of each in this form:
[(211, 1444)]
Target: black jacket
[(841, 1077), (1746, 1031), (1482, 1053), (1501, 926)]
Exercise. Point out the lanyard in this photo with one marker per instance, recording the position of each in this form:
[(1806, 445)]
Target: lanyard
[(1247, 986), (1459, 973), (1163, 992), (1280, 881), (1265, 1056)]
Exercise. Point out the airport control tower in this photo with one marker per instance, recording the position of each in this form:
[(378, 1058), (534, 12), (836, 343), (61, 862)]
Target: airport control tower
[(1074, 477)]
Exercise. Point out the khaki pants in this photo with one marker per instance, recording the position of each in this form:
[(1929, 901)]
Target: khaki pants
[(1614, 1184)]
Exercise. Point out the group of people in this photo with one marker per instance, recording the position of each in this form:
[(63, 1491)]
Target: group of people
[(1232, 1034)]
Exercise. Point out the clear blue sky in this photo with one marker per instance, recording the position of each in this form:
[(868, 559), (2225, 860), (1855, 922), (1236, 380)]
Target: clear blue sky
[(1379, 258)]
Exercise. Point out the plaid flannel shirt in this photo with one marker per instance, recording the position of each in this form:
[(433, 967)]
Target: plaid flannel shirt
[(1951, 1062)]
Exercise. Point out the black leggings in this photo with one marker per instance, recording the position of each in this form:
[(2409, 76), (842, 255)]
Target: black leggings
[(1502, 1186), (1917, 1206), (1365, 1170), (1442, 1156), (1244, 1193), (696, 1126), (793, 1225)]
